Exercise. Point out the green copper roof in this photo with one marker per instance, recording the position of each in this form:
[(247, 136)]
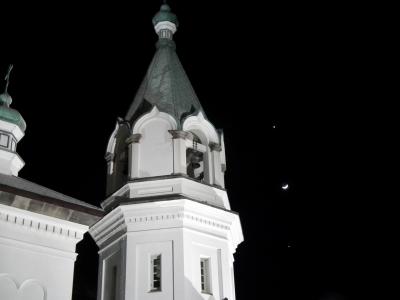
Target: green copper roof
[(166, 86), (8, 114), (5, 99), (165, 14)]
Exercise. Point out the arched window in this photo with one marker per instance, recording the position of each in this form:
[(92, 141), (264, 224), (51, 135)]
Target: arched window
[(195, 158)]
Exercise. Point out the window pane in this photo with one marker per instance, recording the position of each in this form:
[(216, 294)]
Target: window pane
[(155, 273), (4, 140), (205, 275)]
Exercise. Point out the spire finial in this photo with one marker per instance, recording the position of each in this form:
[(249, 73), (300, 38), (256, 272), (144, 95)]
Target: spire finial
[(7, 78), (165, 22)]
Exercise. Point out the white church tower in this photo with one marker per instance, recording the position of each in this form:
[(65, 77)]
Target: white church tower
[(169, 233)]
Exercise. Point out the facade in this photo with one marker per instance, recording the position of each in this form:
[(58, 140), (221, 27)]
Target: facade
[(169, 232)]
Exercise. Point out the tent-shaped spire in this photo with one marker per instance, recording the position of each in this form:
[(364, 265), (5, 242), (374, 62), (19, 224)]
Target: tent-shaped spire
[(166, 84)]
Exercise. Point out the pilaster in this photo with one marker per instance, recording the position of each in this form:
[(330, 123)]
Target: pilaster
[(134, 155)]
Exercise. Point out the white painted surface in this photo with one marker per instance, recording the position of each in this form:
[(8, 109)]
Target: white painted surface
[(10, 162), (155, 154), (165, 187), (165, 25), (182, 231), (37, 255), (13, 129)]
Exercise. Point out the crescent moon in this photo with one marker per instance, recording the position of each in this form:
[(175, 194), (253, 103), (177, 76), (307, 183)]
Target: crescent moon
[(285, 186)]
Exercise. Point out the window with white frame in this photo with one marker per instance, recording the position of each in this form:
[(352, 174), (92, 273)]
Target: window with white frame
[(155, 273), (4, 139), (205, 276)]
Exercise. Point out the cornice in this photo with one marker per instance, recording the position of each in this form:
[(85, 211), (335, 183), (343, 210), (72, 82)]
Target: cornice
[(215, 147), (134, 138), (36, 224), (182, 213), (109, 228), (179, 134)]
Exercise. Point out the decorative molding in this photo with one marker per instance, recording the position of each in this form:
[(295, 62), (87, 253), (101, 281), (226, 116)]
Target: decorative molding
[(109, 156), (178, 216), (177, 183), (159, 216), (111, 141), (23, 288), (179, 134), (201, 127), (120, 221), (134, 138), (165, 25), (24, 222), (13, 129), (153, 114), (7, 132), (110, 227), (215, 147)]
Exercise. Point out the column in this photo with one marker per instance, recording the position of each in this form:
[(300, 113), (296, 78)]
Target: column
[(179, 142), (134, 155), (218, 178)]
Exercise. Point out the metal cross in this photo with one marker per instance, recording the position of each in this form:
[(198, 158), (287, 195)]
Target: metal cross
[(7, 78)]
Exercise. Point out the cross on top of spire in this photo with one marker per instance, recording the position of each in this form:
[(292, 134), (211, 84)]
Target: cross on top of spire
[(7, 78)]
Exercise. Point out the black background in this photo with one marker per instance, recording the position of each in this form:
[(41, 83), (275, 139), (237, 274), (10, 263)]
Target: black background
[(76, 69)]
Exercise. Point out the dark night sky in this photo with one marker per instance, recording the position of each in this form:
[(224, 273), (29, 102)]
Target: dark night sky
[(77, 69)]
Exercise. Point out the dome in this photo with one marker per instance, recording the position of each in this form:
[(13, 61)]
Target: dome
[(165, 14), (8, 114), (5, 99)]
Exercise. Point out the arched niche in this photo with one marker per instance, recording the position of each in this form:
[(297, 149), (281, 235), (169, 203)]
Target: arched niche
[(196, 158), (202, 128), (207, 134), (155, 146)]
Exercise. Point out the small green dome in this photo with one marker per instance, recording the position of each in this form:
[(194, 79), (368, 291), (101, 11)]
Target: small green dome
[(8, 114), (5, 99), (165, 14)]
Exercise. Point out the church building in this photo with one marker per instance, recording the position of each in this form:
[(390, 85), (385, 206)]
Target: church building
[(166, 230)]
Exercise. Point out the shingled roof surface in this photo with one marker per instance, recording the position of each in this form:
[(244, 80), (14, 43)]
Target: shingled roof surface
[(165, 86), (28, 189)]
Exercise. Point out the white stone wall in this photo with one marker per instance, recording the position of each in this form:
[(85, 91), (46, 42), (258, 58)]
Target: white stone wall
[(37, 255), (183, 232), (10, 162)]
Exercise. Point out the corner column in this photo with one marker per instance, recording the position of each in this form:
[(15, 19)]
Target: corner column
[(134, 155), (179, 143), (218, 178)]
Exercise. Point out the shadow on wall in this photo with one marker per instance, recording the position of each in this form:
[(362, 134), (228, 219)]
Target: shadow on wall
[(194, 294)]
